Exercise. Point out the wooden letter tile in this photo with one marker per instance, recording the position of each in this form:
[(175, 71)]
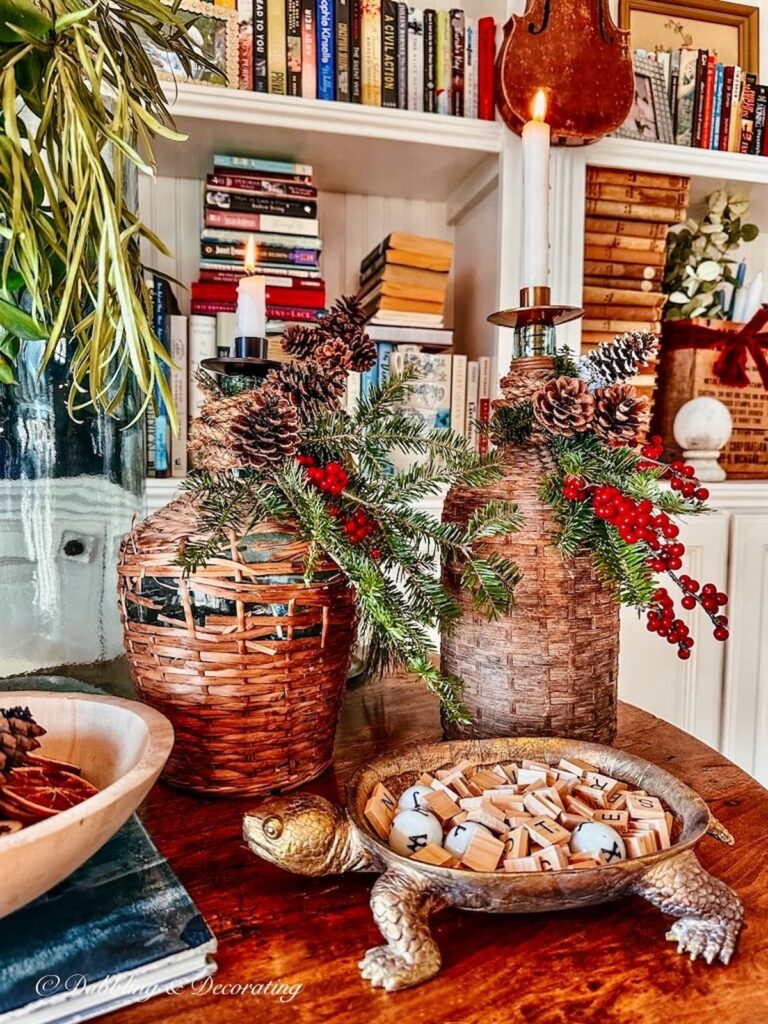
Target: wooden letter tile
[(616, 819), (490, 821), (441, 805), (546, 832), (644, 806), (483, 852), (517, 843), (521, 864), (434, 854), (380, 810), (552, 858)]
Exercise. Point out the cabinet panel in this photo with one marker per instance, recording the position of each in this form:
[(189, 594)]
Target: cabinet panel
[(745, 722), (686, 693)]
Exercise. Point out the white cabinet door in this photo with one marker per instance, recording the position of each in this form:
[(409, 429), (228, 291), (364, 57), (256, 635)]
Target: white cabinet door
[(686, 693), (745, 719)]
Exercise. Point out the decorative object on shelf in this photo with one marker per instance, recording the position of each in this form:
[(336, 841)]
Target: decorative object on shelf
[(702, 427), (660, 26), (650, 118), (76, 341), (213, 31), (587, 493), (727, 361), (291, 528), (308, 835), (698, 273), (569, 51)]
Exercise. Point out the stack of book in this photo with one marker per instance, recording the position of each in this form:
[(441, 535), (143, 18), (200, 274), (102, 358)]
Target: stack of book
[(629, 214), (403, 281), (274, 202), (378, 52), (166, 452), (713, 106)]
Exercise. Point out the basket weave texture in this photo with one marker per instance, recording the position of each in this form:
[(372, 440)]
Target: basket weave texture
[(247, 661), (549, 667)]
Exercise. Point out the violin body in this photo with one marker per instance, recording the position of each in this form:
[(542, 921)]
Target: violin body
[(573, 51)]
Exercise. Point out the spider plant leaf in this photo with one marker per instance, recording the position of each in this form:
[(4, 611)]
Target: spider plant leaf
[(16, 321), (73, 18), (6, 372), (24, 15)]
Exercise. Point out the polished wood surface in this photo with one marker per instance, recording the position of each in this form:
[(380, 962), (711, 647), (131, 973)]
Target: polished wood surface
[(605, 964)]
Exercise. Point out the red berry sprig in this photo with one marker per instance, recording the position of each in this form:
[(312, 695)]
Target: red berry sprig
[(681, 477), (662, 620), (332, 478)]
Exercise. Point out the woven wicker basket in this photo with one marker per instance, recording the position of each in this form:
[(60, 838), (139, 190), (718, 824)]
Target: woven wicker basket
[(247, 661), (550, 667)]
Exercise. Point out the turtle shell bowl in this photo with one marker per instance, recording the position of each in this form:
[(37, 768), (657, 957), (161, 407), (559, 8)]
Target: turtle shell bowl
[(121, 747)]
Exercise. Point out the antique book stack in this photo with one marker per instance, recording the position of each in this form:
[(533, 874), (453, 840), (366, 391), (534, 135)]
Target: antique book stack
[(404, 280), (628, 216)]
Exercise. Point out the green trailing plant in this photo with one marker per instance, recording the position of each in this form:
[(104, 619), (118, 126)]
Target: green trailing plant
[(81, 106), (334, 486), (698, 257)]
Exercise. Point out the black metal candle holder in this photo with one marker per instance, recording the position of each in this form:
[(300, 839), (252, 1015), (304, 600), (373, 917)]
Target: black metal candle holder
[(249, 362)]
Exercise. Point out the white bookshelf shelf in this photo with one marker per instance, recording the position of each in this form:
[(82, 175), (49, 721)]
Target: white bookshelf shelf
[(662, 158), (353, 148)]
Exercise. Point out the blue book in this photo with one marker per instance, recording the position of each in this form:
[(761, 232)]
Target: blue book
[(120, 929), (284, 168), (326, 63), (717, 106), (368, 380), (161, 326), (384, 355)]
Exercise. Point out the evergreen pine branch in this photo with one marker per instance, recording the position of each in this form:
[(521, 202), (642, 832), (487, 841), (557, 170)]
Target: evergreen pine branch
[(490, 582), (495, 518), (564, 364), (512, 424)]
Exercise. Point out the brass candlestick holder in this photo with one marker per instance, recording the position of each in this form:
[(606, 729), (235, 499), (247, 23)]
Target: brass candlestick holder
[(534, 322)]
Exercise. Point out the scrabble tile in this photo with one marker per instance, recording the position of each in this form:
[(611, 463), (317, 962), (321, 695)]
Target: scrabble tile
[(441, 805), (644, 806), (521, 864), (604, 782), (590, 795), (484, 779), (425, 779), (515, 820), (552, 858), (641, 843), (533, 786), (564, 776), (490, 821), (617, 800), (507, 804), (517, 843), (577, 806), (616, 819), (575, 865), (576, 765), (534, 805), (434, 854), (438, 785), (546, 832), (486, 804), (528, 775), (498, 770), (483, 852), (380, 810), (570, 821), (468, 803), (510, 770), (527, 763), (458, 819), (551, 794)]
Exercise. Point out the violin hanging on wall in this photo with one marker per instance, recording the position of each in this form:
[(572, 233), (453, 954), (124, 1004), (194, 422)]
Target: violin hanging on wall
[(574, 52)]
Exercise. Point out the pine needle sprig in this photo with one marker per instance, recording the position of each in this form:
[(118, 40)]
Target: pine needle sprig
[(512, 424)]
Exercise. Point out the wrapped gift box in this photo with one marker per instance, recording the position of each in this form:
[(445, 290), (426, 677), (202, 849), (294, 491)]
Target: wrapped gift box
[(718, 359)]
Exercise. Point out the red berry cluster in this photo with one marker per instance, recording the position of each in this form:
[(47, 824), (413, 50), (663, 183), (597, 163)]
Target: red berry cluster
[(661, 615), (662, 620), (681, 478), (637, 523), (332, 478)]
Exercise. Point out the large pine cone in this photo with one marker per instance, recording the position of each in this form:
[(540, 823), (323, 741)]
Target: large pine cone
[(564, 406), (18, 736), (617, 360), (309, 385), (619, 413), (253, 429), (301, 340)]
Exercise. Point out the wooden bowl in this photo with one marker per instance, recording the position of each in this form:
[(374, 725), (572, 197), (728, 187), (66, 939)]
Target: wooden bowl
[(121, 746)]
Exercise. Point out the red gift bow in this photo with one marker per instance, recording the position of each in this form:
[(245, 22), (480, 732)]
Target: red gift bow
[(731, 366)]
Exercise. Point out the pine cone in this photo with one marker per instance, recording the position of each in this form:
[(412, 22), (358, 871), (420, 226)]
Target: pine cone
[(619, 413), (255, 428), (344, 318), (615, 361), (364, 352), (309, 385), (564, 406), (18, 736), (301, 340), (334, 352), (519, 387)]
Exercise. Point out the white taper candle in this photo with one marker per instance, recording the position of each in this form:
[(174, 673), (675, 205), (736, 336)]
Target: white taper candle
[(536, 140)]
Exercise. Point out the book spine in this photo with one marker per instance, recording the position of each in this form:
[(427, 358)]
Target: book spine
[(202, 345), (275, 269), (268, 168), (326, 84), (686, 95), (606, 295), (353, 391), (389, 53), (179, 393), (637, 194), (212, 307), (761, 115), (415, 59), (662, 214), (260, 77), (355, 55), (294, 313), (226, 331), (470, 421), (725, 120), (486, 55), (430, 61), (238, 202), (343, 51), (264, 253), (253, 185), (160, 315), (734, 128), (625, 242), (470, 68), (747, 136), (402, 56), (235, 220), (232, 277), (709, 99), (621, 326), (292, 295), (368, 380), (606, 283), (384, 351), (698, 98), (674, 75), (308, 50), (717, 108), (459, 394), (641, 179), (276, 47), (457, 62), (245, 65), (293, 47), (371, 52), (443, 57), (636, 271), (614, 310), (484, 402), (613, 253), (633, 228)]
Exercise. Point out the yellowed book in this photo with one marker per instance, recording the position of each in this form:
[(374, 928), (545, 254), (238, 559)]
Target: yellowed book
[(618, 226), (277, 70), (625, 283), (635, 211), (370, 63), (623, 297), (614, 254), (625, 242), (621, 326)]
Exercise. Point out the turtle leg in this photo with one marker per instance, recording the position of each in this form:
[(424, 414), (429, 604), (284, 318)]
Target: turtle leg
[(401, 906), (709, 914)]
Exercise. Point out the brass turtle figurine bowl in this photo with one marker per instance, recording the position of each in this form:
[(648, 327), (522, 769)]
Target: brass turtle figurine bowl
[(308, 835)]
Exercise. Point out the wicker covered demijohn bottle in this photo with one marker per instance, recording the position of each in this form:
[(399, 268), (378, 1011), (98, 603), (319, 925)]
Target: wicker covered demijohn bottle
[(549, 667)]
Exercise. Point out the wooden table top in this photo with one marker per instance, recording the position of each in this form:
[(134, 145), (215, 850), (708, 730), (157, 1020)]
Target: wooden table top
[(608, 963)]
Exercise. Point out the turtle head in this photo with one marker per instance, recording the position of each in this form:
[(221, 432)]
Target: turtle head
[(305, 834)]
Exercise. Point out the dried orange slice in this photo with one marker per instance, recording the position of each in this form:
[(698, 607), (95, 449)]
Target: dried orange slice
[(45, 792), (38, 761)]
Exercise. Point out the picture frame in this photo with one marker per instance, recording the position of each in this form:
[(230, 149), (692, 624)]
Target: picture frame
[(215, 29), (731, 30), (650, 118)]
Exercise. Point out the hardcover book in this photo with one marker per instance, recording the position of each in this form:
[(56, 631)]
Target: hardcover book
[(486, 56), (356, 56), (245, 45), (240, 202), (371, 52), (443, 63), (343, 50), (457, 62), (276, 47), (244, 221), (260, 81), (430, 61), (326, 50), (308, 50), (749, 95), (272, 168), (686, 97), (402, 55), (470, 68), (293, 47), (389, 53), (118, 930), (415, 59), (255, 185)]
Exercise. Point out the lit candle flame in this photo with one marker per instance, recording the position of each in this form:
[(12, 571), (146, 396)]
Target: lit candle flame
[(540, 106), (250, 255)]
